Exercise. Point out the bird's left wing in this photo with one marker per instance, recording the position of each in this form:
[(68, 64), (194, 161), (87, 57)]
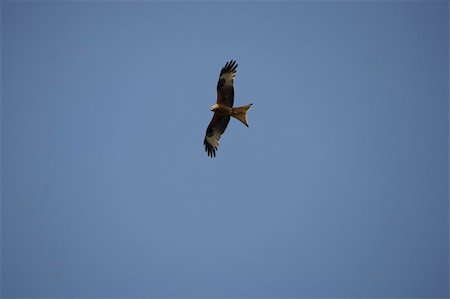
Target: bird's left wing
[(214, 131), (225, 89)]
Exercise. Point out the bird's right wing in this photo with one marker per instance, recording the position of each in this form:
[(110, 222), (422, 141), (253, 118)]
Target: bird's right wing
[(214, 131)]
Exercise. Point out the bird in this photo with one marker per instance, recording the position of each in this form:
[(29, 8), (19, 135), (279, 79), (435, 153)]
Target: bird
[(223, 109)]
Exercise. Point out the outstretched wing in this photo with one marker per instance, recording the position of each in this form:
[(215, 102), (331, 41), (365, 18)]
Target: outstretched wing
[(214, 131), (225, 90)]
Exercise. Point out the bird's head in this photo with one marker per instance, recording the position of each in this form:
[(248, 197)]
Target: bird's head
[(214, 107)]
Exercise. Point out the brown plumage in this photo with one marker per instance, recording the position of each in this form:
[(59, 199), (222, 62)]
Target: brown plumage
[(223, 109)]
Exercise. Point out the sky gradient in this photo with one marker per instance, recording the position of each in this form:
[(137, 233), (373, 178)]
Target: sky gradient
[(339, 187)]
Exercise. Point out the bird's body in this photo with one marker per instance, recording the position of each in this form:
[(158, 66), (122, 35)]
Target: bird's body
[(223, 109)]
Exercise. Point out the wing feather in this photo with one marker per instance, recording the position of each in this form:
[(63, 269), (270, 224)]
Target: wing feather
[(214, 131), (225, 89)]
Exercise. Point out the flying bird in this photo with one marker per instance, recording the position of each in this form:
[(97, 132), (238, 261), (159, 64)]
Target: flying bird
[(223, 109)]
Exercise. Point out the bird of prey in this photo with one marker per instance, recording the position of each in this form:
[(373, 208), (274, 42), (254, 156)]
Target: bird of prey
[(223, 109)]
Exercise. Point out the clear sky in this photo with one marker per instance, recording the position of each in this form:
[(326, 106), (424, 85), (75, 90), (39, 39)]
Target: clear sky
[(338, 188)]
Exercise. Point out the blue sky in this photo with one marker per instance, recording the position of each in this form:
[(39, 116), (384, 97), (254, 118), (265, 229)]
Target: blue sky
[(338, 188)]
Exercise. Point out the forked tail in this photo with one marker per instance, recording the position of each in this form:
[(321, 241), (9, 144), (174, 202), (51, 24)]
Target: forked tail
[(240, 113)]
